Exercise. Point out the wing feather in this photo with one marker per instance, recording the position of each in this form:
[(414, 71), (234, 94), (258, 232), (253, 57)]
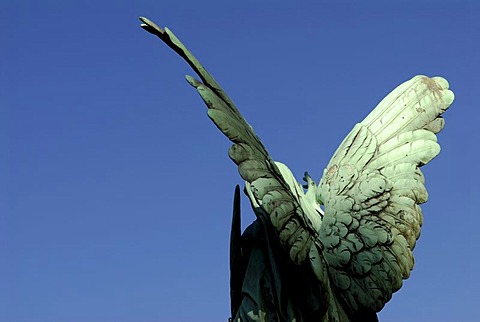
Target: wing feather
[(270, 185), (374, 179)]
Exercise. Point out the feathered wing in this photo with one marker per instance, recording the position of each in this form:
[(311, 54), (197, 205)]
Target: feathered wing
[(361, 249), (371, 191), (270, 185)]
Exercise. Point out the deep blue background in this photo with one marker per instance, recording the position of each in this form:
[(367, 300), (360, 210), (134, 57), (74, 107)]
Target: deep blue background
[(118, 192)]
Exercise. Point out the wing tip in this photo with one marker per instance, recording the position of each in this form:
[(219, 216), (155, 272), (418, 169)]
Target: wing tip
[(438, 84), (441, 82), (448, 98)]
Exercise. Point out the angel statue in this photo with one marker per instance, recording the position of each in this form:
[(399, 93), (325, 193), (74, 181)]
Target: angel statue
[(336, 251)]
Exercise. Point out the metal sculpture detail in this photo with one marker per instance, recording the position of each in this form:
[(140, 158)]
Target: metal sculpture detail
[(297, 262)]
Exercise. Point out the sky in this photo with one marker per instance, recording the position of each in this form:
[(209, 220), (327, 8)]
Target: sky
[(118, 194)]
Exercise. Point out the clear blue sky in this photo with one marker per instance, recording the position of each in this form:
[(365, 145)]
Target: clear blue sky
[(118, 194)]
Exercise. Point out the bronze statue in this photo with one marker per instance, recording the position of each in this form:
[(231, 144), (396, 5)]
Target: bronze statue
[(339, 250)]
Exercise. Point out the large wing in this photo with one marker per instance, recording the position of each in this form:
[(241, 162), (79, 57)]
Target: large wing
[(371, 191), (270, 185)]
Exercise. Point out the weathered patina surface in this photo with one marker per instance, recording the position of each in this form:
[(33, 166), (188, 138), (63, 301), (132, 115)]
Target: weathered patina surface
[(297, 262)]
